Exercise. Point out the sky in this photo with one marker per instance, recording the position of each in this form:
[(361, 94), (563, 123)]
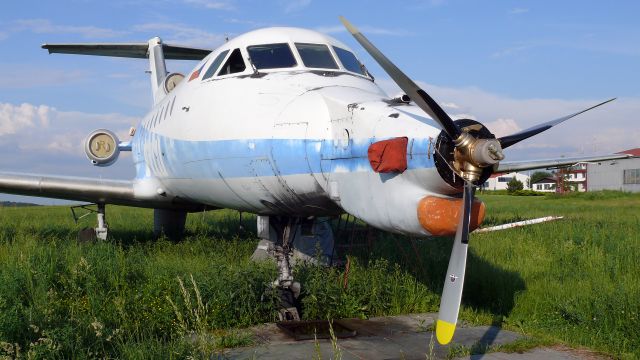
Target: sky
[(508, 64)]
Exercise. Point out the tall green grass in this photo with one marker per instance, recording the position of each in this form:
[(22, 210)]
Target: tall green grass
[(573, 281), (59, 298)]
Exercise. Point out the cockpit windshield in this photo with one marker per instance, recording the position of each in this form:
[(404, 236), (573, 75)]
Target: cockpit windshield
[(234, 64), (349, 61), (271, 56), (215, 64), (316, 56)]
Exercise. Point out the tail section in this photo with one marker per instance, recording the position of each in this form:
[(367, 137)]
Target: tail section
[(154, 50)]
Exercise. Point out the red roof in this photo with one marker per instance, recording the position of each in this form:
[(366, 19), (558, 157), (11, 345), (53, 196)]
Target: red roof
[(633, 152)]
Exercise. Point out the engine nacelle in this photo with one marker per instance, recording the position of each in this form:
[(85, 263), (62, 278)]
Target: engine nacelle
[(102, 147)]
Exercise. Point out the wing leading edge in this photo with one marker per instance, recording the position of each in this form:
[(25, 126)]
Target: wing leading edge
[(137, 193), (509, 166)]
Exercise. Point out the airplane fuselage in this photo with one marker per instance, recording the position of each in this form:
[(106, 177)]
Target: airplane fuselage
[(288, 141)]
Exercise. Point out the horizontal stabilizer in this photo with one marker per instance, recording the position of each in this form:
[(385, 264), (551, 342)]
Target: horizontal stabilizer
[(129, 50), (509, 166)]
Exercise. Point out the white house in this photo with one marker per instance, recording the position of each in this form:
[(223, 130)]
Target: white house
[(547, 184), (499, 181)]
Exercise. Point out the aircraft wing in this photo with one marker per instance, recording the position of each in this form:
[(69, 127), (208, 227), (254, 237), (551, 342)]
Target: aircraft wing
[(135, 193), (509, 166)]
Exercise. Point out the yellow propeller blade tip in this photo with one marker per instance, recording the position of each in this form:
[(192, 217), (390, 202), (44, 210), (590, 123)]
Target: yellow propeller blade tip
[(444, 331)]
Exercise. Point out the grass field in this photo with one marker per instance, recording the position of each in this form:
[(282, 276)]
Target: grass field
[(574, 281)]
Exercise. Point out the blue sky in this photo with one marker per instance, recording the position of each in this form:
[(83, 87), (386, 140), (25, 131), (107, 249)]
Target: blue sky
[(510, 64)]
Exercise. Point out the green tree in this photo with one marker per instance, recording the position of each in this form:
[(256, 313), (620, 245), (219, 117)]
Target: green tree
[(538, 175), (514, 185)]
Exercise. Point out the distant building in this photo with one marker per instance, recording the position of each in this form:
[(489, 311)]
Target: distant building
[(547, 184), (573, 178), (499, 181), (623, 174)]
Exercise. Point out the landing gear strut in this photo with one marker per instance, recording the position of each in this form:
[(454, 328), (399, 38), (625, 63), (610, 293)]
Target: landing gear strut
[(287, 240), (277, 234), (89, 234), (102, 229), (288, 290)]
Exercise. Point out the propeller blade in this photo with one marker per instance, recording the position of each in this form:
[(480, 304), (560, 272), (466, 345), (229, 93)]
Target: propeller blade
[(509, 140), (452, 291), (419, 96)]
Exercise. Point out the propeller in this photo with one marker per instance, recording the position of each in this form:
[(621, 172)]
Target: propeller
[(415, 93), (474, 152), (454, 280), (512, 139)]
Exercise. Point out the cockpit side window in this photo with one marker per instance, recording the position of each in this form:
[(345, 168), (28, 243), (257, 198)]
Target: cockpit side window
[(215, 65), (316, 56), (234, 64), (349, 61), (271, 56)]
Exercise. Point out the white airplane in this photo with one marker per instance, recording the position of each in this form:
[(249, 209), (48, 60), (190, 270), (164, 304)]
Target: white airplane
[(288, 124)]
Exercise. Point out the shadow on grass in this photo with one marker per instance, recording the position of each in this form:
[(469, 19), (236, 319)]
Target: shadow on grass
[(489, 289), (218, 225)]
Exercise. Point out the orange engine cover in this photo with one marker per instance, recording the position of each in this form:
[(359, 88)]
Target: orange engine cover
[(440, 216)]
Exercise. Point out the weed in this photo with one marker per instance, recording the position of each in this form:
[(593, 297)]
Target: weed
[(431, 354), (337, 352)]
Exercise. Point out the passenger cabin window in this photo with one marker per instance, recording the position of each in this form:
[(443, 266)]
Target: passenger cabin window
[(349, 61), (215, 65), (271, 56), (234, 64), (316, 56)]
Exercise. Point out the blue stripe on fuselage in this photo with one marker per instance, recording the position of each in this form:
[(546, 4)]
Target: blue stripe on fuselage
[(267, 157)]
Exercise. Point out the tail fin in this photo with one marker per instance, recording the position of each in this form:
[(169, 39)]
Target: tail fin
[(155, 50)]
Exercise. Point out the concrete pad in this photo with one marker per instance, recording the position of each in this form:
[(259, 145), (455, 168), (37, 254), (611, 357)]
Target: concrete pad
[(395, 337), (534, 354)]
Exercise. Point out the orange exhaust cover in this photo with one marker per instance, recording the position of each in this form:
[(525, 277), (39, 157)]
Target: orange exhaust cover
[(440, 216)]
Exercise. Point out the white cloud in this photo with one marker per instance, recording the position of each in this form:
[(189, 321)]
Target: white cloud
[(294, 5), (41, 139), (517, 11), (607, 129), (510, 51), (449, 105), (366, 30), (182, 34), (14, 118), (502, 127), (250, 23), (44, 26), (463, 116), (19, 76), (211, 4), (41, 128)]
